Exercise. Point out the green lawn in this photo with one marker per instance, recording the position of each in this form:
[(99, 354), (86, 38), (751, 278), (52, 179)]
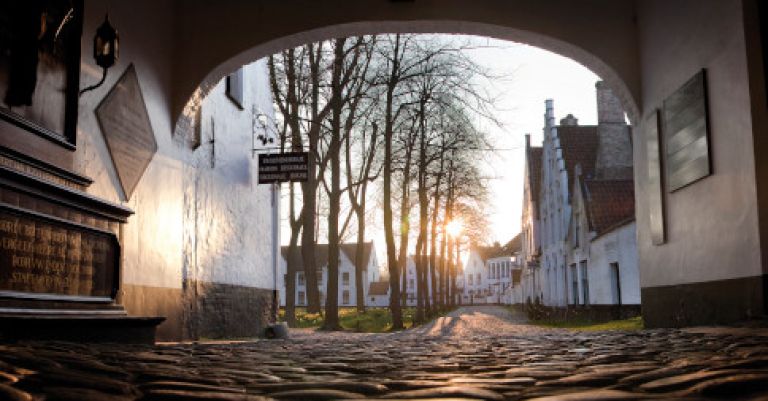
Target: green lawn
[(373, 320), (631, 324)]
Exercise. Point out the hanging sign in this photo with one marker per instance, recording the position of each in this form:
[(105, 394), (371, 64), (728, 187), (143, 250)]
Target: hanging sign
[(283, 167)]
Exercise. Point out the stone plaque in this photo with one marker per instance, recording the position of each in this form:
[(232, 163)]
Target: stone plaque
[(685, 130), (47, 256), (655, 192), (125, 124)]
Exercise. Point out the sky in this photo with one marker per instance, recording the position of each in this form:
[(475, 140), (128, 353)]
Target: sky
[(531, 75)]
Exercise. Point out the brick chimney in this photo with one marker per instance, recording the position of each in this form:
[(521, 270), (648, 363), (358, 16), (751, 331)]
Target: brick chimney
[(569, 120), (614, 151)]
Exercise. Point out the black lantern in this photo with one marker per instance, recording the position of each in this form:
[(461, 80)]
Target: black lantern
[(106, 46)]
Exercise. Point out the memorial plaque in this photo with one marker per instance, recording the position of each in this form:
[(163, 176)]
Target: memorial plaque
[(235, 88), (126, 127), (283, 167), (685, 131), (655, 191), (47, 257)]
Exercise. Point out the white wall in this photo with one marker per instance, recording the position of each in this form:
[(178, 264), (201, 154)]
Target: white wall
[(192, 221), (712, 231), (617, 246)]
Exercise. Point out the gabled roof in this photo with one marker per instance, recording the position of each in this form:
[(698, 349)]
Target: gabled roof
[(378, 288), (321, 254), (609, 203), (490, 252), (515, 244), (534, 176), (579, 147)]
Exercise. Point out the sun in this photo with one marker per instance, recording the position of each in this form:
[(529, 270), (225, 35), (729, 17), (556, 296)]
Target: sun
[(454, 227)]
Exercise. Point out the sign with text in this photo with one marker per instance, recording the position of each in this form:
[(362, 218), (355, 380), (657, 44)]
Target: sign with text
[(44, 255), (283, 167)]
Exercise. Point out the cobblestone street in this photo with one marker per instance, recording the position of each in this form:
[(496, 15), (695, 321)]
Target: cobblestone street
[(475, 353)]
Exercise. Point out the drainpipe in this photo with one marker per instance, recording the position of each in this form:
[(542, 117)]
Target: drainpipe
[(275, 248)]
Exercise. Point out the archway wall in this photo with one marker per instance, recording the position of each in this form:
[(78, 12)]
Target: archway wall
[(710, 267), (600, 34)]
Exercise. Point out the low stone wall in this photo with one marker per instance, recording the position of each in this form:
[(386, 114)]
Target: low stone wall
[(229, 311), (597, 313)]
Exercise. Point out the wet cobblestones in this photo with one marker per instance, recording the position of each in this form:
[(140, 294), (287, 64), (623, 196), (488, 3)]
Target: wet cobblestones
[(456, 358)]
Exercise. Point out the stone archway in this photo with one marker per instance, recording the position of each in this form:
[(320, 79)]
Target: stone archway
[(600, 37)]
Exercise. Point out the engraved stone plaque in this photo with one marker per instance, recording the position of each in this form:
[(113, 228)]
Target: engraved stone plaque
[(46, 256), (685, 133), (655, 192), (126, 127)]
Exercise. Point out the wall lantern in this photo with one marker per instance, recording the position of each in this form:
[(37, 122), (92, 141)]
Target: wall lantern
[(106, 48), (264, 137)]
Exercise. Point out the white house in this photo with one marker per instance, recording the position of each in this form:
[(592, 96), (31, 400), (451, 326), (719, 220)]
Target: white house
[(347, 288), (584, 186), (378, 294), (603, 259), (411, 281), (488, 272)]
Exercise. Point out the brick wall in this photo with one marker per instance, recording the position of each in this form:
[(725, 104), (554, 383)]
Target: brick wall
[(228, 311)]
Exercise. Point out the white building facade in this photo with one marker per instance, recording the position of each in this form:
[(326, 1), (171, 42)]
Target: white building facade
[(347, 289), (579, 242)]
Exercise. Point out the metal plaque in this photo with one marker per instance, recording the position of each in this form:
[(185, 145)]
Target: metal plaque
[(685, 131), (125, 124), (283, 167), (655, 191), (43, 255), (235, 88)]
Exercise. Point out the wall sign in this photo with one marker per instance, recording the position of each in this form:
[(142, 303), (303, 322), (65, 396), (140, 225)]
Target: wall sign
[(125, 124), (283, 167), (655, 186), (43, 255), (685, 130)]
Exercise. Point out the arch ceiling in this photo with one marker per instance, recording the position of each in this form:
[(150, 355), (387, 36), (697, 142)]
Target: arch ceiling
[(214, 39)]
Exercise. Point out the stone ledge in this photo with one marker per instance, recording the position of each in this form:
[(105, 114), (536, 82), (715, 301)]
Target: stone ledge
[(86, 328)]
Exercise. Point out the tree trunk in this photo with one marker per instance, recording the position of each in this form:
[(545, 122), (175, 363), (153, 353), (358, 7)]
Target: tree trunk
[(394, 271)]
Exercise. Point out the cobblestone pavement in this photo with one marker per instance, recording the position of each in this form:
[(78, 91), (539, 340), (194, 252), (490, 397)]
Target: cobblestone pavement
[(475, 353)]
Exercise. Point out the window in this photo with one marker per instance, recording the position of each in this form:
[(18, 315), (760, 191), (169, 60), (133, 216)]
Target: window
[(479, 279), (469, 279), (301, 278), (616, 281), (410, 283), (345, 297), (373, 299), (302, 298), (584, 283), (345, 278), (575, 284)]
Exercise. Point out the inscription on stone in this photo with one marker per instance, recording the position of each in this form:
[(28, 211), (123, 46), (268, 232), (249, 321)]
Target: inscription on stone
[(685, 133), (126, 127), (43, 255), (655, 192)]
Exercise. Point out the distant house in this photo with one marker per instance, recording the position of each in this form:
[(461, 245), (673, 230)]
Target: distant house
[(347, 288), (378, 294), (409, 281), (488, 273)]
